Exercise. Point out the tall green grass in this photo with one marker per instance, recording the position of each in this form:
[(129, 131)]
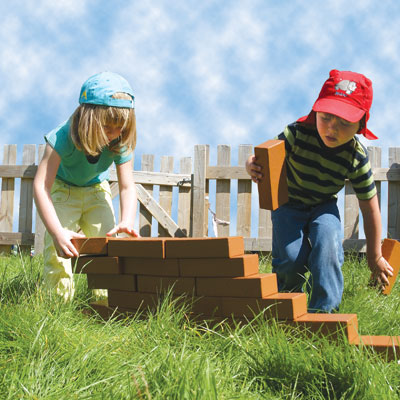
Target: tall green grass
[(53, 350)]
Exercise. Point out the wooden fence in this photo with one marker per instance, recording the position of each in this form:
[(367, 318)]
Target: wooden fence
[(199, 200)]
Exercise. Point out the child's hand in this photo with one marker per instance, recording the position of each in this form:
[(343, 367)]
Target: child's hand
[(381, 269), (253, 169), (63, 244), (123, 227)]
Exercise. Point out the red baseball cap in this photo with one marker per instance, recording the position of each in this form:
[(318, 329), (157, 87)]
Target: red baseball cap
[(345, 94)]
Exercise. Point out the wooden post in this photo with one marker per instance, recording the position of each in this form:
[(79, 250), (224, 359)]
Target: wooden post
[(243, 219), (39, 226), (394, 196), (165, 200), (145, 217), (199, 190), (223, 191), (351, 212), (7, 196), (375, 157), (26, 196), (184, 198)]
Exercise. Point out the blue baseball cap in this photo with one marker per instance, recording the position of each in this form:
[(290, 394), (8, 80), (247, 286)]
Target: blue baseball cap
[(100, 88)]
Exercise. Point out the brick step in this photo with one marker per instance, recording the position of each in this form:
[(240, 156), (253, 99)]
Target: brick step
[(125, 300), (243, 265), (159, 284), (222, 247), (387, 346), (96, 265), (332, 325), (259, 285), (107, 281), (282, 306), (150, 266), (102, 309)]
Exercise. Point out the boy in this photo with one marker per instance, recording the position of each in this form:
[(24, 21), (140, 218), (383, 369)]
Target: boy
[(322, 150)]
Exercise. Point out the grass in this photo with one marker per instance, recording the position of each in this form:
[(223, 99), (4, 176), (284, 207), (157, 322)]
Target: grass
[(52, 350)]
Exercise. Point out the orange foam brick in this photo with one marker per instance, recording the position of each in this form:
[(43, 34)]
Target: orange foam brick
[(272, 188), (95, 245), (391, 252)]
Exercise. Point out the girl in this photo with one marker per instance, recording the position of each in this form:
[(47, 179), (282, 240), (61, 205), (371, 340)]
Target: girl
[(71, 188)]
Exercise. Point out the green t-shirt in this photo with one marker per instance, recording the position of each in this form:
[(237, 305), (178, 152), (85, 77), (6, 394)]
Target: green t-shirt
[(75, 169), (316, 173)]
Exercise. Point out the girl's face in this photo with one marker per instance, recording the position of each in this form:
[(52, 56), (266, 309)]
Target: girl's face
[(112, 132), (335, 131)]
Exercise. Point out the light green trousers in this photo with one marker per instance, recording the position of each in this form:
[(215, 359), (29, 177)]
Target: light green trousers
[(88, 208)]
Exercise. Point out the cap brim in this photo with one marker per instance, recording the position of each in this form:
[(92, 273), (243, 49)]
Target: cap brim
[(339, 108)]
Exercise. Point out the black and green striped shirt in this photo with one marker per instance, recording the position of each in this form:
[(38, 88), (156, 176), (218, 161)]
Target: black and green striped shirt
[(316, 173)]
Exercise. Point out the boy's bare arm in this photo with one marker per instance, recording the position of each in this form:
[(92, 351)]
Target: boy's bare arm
[(373, 231)]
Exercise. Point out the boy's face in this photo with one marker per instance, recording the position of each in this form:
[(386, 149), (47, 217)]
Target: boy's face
[(335, 131)]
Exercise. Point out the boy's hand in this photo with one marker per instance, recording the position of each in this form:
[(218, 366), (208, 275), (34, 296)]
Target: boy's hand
[(123, 227), (63, 244), (381, 269), (253, 169)]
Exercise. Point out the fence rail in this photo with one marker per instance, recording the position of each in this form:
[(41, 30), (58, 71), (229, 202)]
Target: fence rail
[(198, 200)]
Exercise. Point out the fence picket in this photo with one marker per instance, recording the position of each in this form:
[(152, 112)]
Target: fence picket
[(223, 191), (184, 198), (243, 214), (7, 195), (199, 190), (394, 196), (26, 195), (165, 199), (375, 157), (145, 217), (39, 226)]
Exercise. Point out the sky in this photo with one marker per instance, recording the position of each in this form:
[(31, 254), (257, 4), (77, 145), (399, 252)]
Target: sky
[(203, 72)]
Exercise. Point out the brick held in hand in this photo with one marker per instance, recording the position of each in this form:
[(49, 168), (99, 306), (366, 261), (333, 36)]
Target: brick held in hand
[(391, 253), (272, 188), (93, 245)]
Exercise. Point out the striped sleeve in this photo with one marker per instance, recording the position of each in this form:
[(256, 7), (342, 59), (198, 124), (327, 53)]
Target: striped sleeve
[(360, 175)]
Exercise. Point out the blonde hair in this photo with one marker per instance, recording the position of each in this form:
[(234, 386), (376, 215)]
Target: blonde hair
[(88, 124)]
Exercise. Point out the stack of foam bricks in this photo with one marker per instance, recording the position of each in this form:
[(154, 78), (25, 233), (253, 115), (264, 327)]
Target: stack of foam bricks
[(219, 280)]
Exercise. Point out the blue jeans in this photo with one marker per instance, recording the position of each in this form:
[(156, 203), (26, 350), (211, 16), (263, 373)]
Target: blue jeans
[(309, 239)]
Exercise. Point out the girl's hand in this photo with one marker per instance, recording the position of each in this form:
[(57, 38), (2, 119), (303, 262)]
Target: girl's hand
[(63, 244), (381, 269), (253, 169), (123, 227)]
